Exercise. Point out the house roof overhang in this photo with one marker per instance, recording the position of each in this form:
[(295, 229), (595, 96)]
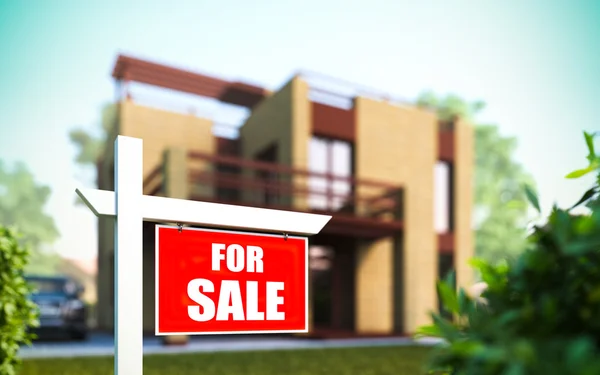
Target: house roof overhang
[(232, 92)]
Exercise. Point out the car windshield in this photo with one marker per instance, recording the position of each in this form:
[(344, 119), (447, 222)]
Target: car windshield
[(47, 285)]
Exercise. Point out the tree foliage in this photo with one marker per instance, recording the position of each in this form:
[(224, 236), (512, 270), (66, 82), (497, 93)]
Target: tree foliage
[(17, 313), (500, 202), (450, 107), (22, 202), (90, 145), (542, 311)]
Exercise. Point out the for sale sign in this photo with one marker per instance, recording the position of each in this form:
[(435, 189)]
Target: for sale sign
[(222, 282)]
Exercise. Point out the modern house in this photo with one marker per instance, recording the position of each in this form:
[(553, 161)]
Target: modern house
[(397, 182)]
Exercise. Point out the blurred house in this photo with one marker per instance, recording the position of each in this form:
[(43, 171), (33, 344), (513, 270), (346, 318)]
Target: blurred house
[(397, 181)]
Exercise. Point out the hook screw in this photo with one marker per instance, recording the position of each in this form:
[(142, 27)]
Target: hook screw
[(179, 227)]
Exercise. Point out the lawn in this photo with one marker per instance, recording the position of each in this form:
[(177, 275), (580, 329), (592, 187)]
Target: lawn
[(347, 361)]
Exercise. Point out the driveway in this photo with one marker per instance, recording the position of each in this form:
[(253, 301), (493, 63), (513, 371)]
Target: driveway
[(100, 344)]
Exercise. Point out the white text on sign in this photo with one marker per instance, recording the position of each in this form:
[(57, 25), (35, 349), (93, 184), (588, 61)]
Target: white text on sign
[(237, 259)]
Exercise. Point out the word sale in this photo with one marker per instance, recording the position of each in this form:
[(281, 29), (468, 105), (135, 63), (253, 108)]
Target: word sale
[(237, 259)]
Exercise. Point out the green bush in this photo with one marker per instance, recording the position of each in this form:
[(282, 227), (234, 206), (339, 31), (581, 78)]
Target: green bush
[(542, 311), (17, 312)]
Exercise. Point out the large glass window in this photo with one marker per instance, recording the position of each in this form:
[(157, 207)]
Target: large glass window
[(443, 197), (333, 158)]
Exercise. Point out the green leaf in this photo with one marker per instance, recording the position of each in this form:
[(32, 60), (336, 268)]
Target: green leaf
[(586, 196), (589, 140), (428, 331), (532, 197), (463, 301), (450, 279), (448, 297), (467, 348), (581, 172), (447, 329)]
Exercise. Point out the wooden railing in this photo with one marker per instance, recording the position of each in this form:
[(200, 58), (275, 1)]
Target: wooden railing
[(257, 183)]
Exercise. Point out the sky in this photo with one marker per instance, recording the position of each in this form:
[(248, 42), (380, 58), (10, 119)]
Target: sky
[(535, 63)]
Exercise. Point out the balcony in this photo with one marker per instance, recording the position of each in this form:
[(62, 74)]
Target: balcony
[(359, 208)]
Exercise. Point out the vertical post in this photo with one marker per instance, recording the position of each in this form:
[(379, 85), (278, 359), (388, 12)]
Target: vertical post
[(175, 165), (128, 256)]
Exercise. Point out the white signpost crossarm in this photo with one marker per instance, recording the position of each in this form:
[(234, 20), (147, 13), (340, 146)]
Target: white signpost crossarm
[(160, 209), (130, 207)]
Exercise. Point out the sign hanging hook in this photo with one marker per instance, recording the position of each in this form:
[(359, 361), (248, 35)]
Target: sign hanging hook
[(179, 227), (285, 236)]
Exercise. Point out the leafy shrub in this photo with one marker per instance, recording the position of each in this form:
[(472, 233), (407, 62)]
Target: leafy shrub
[(17, 312), (542, 311)]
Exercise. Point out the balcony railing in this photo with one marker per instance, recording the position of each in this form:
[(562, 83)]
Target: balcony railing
[(266, 184), (232, 180)]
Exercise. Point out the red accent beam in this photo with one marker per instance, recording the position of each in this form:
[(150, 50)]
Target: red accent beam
[(446, 143), (228, 147), (333, 122), (446, 243), (132, 69)]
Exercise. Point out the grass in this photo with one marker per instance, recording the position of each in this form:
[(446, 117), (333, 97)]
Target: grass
[(346, 361)]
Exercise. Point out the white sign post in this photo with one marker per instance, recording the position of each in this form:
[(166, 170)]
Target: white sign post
[(130, 207)]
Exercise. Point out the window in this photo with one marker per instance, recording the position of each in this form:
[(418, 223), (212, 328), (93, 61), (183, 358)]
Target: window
[(443, 197), (331, 157)]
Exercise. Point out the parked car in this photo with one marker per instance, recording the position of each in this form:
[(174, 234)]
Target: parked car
[(61, 309)]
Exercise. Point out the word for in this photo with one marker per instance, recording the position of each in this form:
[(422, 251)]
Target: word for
[(229, 303)]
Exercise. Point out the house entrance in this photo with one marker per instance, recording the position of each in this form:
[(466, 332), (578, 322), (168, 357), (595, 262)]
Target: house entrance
[(332, 278)]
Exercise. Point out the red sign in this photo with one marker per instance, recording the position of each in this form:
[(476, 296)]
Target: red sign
[(218, 282)]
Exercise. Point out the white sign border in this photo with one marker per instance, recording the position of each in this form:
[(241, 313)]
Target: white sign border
[(156, 302)]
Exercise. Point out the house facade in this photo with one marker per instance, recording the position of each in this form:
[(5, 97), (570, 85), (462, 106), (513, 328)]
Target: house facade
[(396, 180)]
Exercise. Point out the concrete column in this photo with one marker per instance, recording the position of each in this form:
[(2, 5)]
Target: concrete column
[(176, 173), (464, 247), (374, 287), (398, 145), (301, 122)]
